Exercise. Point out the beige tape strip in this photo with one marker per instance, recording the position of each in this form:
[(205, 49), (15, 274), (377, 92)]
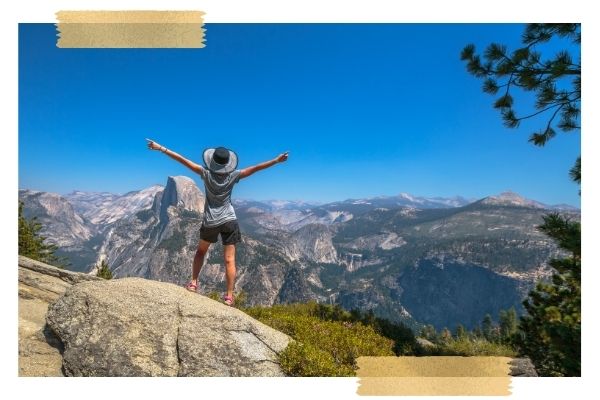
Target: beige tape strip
[(434, 376), (130, 29)]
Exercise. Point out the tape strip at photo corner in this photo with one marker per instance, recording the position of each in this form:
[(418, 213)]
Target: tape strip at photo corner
[(434, 376), (130, 29)]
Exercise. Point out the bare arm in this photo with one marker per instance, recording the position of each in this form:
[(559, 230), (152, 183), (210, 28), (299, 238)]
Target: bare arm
[(250, 170), (152, 145)]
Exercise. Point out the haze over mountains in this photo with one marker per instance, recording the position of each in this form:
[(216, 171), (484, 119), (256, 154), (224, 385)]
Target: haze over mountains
[(436, 260)]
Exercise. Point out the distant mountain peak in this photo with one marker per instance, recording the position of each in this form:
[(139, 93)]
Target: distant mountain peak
[(406, 196), (56, 215), (566, 207), (287, 204), (510, 198), (77, 192), (409, 200), (181, 192), (103, 208)]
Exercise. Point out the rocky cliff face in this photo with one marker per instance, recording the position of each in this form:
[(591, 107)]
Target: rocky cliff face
[(61, 224), (181, 193), (78, 223), (78, 325), (295, 288), (40, 351), (159, 242), (90, 203), (103, 209), (312, 242)]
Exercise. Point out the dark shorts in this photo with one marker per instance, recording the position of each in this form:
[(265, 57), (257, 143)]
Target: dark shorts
[(229, 231)]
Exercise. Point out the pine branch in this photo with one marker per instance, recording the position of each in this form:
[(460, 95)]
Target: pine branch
[(539, 112), (524, 69)]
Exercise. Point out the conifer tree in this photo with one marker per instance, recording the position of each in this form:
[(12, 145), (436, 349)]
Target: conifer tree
[(428, 332), (104, 270), (555, 81), (445, 335), (486, 326), (550, 332), (461, 332), (508, 324), (476, 332), (33, 245)]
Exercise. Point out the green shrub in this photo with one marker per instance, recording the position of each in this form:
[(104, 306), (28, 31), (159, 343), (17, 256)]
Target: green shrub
[(241, 298), (402, 336), (471, 347), (323, 348), (215, 296), (300, 359), (104, 270)]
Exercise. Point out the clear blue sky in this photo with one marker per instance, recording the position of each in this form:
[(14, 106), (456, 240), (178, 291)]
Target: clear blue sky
[(364, 109)]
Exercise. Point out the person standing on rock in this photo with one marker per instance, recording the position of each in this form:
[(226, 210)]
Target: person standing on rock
[(219, 175)]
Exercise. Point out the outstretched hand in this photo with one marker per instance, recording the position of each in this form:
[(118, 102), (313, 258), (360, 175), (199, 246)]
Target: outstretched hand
[(259, 167), (282, 157), (152, 145)]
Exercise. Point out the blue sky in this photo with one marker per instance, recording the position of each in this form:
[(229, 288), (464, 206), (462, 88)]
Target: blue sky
[(364, 109)]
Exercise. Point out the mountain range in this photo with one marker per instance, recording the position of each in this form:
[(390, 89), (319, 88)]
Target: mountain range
[(419, 260)]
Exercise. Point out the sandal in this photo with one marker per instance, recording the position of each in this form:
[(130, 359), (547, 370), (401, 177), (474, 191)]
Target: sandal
[(228, 300), (191, 287)]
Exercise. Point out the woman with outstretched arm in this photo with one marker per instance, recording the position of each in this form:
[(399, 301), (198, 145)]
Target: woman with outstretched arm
[(219, 175)]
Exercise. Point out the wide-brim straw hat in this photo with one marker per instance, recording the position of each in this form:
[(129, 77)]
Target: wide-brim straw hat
[(221, 162)]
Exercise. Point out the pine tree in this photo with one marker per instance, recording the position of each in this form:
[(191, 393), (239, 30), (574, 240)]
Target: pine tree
[(369, 318), (486, 326), (461, 332), (428, 332), (33, 245), (508, 324), (445, 335), (556, 81), (104, 270), (550, 332)]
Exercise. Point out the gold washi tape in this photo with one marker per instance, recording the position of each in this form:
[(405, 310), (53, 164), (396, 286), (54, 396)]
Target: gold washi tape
[(130, 29), (434, 376)]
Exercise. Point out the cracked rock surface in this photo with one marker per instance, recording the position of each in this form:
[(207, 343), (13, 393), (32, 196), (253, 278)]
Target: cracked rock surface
[(522, 367), (137, 327), (39, 285)]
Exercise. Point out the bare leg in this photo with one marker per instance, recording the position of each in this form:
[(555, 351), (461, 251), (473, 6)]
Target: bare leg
[(229, 252), (203, 246)]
